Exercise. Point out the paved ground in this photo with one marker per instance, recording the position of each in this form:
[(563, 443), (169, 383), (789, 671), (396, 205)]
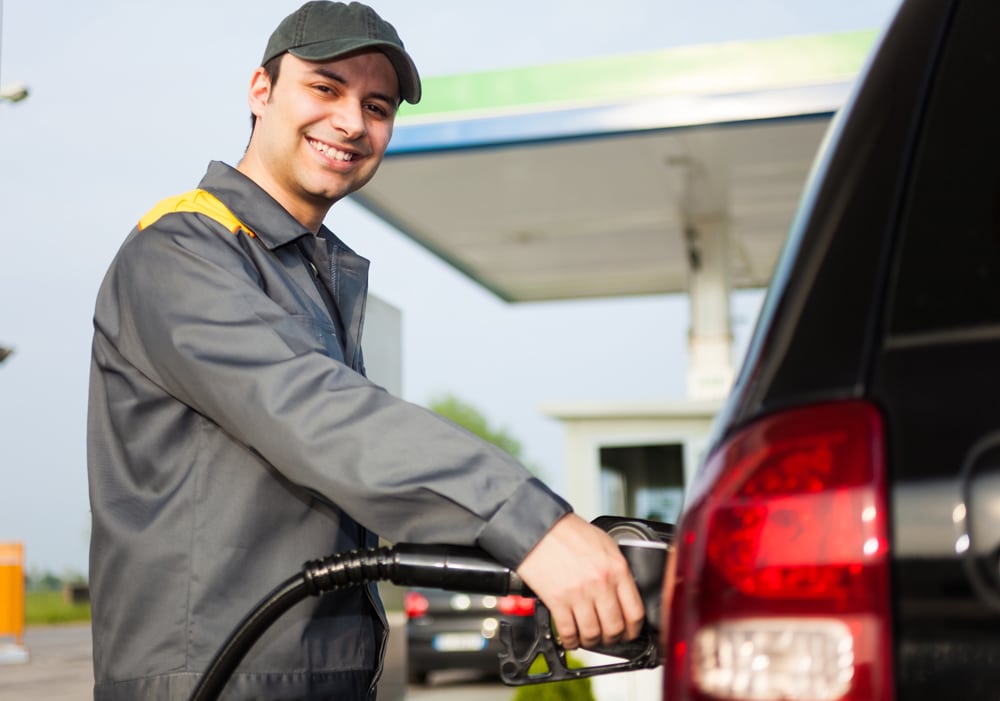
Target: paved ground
[(455, 686), (59, 669)]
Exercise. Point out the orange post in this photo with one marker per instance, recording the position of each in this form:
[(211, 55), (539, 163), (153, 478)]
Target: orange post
[(12, 601)]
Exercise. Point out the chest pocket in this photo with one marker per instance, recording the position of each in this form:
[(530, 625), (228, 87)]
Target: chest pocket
[(325, 333)]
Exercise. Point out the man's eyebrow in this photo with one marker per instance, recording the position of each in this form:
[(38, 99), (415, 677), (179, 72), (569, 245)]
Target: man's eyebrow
[(337, 78), (327, 73)]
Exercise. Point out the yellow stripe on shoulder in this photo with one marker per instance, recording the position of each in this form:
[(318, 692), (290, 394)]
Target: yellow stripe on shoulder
[(200, 201)]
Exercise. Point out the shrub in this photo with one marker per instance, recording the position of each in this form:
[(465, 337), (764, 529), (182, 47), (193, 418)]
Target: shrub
[(570, 690)]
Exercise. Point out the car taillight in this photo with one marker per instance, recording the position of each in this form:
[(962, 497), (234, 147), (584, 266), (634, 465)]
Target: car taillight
[(415, 604), (516, 605), (782, 582)]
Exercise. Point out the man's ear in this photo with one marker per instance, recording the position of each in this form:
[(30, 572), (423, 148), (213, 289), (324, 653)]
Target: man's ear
[(260, 91)]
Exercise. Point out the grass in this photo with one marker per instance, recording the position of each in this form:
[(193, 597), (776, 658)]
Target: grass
[(47, 607)]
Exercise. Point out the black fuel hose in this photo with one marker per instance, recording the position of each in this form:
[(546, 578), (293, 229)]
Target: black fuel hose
[(453, 567)]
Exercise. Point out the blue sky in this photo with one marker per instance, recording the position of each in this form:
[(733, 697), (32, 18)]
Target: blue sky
[(131, 99)]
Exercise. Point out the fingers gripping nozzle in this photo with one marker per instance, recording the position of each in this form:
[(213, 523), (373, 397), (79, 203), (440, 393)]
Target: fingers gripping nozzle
[(645, 546)]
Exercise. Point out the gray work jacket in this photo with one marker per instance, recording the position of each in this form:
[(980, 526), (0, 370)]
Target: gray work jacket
[(232, 437)]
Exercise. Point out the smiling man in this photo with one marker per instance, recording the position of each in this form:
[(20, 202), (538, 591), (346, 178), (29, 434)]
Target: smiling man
[(233, 435), (320, 131)]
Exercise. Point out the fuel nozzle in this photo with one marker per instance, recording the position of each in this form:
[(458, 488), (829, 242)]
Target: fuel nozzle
[(645, 545)]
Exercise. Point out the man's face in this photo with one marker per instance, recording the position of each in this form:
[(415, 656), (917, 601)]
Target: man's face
[(321, 130)]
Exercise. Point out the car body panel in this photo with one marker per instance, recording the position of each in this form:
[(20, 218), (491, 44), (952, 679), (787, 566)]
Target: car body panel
[(888, 290)]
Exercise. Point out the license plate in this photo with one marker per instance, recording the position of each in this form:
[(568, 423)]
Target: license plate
[(458, 642)]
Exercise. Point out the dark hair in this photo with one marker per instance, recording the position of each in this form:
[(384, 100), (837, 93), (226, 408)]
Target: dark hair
[(272, 68)]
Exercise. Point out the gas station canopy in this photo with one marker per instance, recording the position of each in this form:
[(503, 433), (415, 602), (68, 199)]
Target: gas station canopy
[(594, 178)]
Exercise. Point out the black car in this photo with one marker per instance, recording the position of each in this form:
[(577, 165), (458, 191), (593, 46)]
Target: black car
[(450, 631), (842, 537)]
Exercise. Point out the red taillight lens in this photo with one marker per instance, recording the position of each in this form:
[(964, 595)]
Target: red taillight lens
[(516, 605), (415, 604), (782, 584)]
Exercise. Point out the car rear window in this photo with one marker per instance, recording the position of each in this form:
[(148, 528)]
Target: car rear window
[(948, 268)]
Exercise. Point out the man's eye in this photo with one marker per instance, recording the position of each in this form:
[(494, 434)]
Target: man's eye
[(378, 109)]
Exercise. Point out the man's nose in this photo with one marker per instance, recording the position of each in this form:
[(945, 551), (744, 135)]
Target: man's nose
[(349, 118)]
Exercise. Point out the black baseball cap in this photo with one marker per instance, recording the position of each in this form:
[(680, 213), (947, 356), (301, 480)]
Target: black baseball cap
[(323, 30)]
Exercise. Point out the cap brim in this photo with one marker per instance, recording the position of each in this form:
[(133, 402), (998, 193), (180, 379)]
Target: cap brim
[(406, 70)]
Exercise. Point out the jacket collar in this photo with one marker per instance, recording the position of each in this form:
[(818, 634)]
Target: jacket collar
[(251, 204)]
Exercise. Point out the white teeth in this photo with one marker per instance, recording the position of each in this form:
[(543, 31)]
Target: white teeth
[(331, 152)]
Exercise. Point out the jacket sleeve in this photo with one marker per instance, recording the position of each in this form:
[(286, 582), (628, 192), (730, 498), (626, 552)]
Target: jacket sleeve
[(190, 313)]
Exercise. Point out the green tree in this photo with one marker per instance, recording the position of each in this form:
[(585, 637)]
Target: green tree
[(39, 580), (473, 420)]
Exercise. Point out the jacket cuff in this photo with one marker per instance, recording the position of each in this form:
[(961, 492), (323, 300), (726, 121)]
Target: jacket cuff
[(515, 529)]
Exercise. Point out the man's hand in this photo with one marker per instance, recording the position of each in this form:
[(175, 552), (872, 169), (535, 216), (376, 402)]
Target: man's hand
[(579, 573)]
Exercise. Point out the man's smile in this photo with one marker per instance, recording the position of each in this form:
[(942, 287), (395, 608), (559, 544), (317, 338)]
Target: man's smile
[(330, 151)]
